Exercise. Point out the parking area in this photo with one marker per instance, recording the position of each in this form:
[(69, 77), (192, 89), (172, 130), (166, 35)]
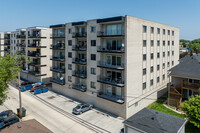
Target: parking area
[(94, 116)]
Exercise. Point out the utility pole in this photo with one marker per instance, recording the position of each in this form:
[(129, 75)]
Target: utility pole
[(20, 98)]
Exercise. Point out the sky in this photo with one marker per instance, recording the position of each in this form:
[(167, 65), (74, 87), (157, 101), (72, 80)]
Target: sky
[(184, 14)]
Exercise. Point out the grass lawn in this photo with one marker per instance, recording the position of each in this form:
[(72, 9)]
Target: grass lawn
[(158, 105)]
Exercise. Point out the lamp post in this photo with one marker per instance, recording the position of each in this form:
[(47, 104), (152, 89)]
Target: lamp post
[(20, 98)]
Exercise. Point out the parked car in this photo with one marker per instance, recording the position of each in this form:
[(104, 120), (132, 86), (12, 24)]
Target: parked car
[(37, 87), (9, 121), (5, 114), (26, 83), (79, 109)]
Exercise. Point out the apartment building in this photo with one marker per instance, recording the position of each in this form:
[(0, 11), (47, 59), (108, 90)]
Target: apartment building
[(36, 46), (118, 64), (7, 43), (2, 44)]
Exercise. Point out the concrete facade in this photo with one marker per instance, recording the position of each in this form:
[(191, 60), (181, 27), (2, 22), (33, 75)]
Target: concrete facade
[(105, 66), (2, 44)]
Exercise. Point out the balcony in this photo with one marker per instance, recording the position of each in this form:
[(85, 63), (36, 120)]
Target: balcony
[(58, 81), (57, 69), (110, 50), (38, 36), (36, 73), (35, 63), (110, 33), (79, 61), (191, 86), (56, 35), (105, 65), (57, 58), (59, 46), (34, 45), (36, 55), (22, 45), (112, 98), (79, 87), (80, 74), (7, 44), (107, 80), (6, 37), (79, 48), (77, 34), (21, 36)]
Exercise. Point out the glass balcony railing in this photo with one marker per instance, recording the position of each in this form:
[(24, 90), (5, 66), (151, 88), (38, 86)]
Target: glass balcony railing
[(111, 81), (60, 81), (58, 46), (79, 48), (103, 64), (80, 73), (58, 35), (79, 61), (110, 33), (79, 87), (79, 34), (109, 97), (105, 49), (57, 58), (57, 69)]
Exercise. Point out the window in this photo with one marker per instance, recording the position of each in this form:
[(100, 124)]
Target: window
[(163, 54), (172, 43), (163, 43), (144, 29), (144, 43), (152, 56), (144, 85), (92, 85), (151, 82), (151, 69), (158, 43), (93, 56), (152, 30), (168, 43), (69, 31), (144, 57), (93, 71), (158, 79), (69, 78), (163, 76), (151, 43), (69, 66), (158, 30), (144, 71), (168, 32), (163, 31), (70, 42), (158, 55), (168, 53), (163, 65), (158, 67), (69, 54), (172, 33), (168, 64), (114, 29), (113, 60), (93, 42), (172, 63), (93, 29)]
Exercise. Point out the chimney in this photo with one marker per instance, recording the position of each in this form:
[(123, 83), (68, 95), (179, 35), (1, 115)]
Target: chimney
[(197, 50), (191, 52)]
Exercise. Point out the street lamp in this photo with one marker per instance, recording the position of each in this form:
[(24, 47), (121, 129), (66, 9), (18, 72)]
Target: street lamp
[(20, 98)]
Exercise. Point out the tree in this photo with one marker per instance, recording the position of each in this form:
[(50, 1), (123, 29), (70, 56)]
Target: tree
[(9, 69), (192, 109)]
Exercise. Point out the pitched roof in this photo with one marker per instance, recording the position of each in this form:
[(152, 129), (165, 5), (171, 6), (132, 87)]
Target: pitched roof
[(189, 67), (29, 126), (152, 121)]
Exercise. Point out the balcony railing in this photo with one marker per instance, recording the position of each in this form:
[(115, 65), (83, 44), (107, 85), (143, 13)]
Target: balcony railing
[(79, 48), (110, 50), (56, 35), (35, 36), (80, 73), (77, 34), (103, 64), (107, 80), (58, 81), (113, 98), (21, 36), (7, 44), (6, 37), (57, 69), (192, 86), (57, 58), (22, 45), (79, 87), (110, 33), (36, 73), (36, 55), (36, 45), (59, 46), (79, 61)]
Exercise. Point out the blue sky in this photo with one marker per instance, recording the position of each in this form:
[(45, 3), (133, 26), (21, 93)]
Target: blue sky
[(184, 14)]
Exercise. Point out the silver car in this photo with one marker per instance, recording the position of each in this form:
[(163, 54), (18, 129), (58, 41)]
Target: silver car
[(79, 109)]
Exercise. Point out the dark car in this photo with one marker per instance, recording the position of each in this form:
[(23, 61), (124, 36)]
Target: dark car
[(9, 121), (37, 87), (79, 109), (5, 114), (26, 83)]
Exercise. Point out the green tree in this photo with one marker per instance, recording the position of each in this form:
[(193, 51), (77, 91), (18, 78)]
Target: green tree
[(9, 69), (192, 109)]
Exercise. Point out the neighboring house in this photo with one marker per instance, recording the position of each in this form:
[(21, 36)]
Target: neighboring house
[(118, 64), (185, 79), (1, 44), (151, 121), (7, 43), (28, 126)]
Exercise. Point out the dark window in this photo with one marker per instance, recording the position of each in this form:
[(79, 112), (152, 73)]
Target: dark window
[(168, 64), (158, 55), (163, 31), (163, 43), (92, 85), (144, 85), (158, 67), (172, 63), (163, 76), (163, 65), (168, 32), (152, 56), (93, 29), (69, 66), (69, 31), (172, 33), (168, 43), (144, 29), (93, 71), (144, 57), (144, 71), (152, 30), (152, 43), (158, 79), (151, 69), (163, 54), (158, 30), (69, 54), (93, 42), (93, 56), (158, 43), (151, 82), (69, 78), (168, 53), (172, 43), (70, 42), (144, 43)]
